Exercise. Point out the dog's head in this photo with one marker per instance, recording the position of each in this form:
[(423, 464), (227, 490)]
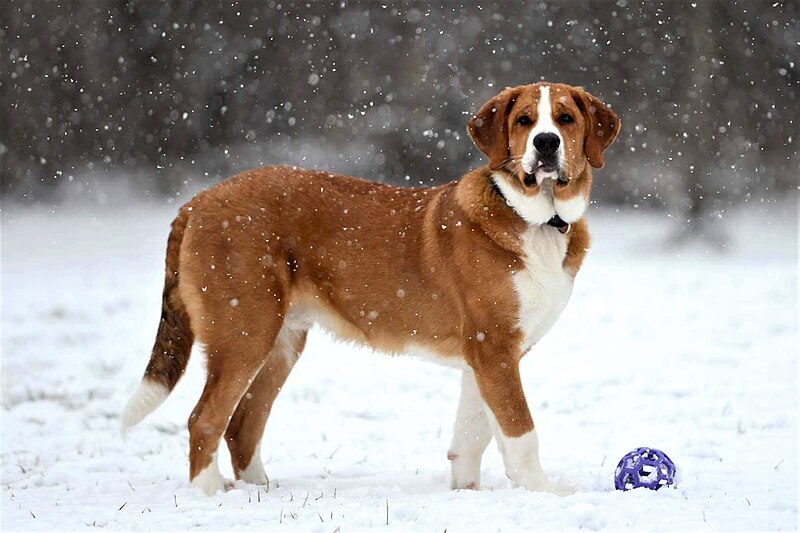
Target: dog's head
[(543, 136)]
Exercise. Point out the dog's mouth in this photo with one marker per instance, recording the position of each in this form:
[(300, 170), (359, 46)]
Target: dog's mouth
[(545, 169)]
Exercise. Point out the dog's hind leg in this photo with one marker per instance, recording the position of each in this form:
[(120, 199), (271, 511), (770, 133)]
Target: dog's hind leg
[(246, 428), (471, 435), (234, 361)]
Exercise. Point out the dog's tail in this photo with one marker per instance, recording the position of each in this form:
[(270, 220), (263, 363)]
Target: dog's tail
[(174, 339)]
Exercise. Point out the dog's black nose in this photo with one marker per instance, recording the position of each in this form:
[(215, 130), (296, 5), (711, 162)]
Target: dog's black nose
[(546, 143)]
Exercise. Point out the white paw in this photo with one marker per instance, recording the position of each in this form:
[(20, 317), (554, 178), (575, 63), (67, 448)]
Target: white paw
[(210, 485), (562, 487), (465, 472), (467, 483), (541, 483), (254, 473), (559, 488), (521, 457), (210, 480), (464, 485)]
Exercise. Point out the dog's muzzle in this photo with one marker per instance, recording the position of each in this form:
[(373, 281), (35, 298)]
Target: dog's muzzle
[(546, 164)]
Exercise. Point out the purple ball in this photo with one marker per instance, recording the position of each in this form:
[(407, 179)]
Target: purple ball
[(644, 467)]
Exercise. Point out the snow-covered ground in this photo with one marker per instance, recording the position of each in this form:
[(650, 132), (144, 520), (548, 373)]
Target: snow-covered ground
[(692, 352)]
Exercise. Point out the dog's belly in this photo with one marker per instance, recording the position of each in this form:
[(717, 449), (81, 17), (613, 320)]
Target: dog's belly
[(544, 287), (305, 312)]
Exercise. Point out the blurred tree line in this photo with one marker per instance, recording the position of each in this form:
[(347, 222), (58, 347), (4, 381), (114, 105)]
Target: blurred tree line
[(174, 93)]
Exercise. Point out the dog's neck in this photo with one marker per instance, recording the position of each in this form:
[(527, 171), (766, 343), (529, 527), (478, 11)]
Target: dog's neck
[(556, 221), (486, 207)]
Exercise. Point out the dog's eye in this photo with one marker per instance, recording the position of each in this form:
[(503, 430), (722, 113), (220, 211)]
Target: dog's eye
[(524, 120), (565, 118)]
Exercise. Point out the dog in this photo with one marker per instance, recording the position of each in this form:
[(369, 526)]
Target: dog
[(469, 274)]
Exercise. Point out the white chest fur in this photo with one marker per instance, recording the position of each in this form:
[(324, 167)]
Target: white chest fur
[(543, 287)]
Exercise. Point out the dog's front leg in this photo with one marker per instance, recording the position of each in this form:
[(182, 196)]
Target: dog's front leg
[(507, 410), (471, 435)]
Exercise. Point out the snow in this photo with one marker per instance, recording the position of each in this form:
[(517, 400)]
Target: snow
[(689, 351)]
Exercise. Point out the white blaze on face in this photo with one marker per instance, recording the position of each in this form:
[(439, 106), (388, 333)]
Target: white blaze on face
[(544, 124)]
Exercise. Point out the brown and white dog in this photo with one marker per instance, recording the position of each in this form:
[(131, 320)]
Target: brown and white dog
[(470, 274)]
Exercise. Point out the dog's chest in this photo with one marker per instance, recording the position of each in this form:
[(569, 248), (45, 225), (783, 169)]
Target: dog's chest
[(543, 287)]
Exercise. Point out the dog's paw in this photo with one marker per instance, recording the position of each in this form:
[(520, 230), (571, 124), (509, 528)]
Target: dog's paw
[(254, 473), (465, 472), (539, 482), (559, 488), (562, 487), (464, 485), (210, 482)]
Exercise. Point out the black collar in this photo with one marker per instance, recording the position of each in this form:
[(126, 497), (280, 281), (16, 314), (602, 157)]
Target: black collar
[(556, 222)]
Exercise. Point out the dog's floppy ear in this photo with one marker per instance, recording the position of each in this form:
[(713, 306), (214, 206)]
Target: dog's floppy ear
[(489, 127), (602, 126)]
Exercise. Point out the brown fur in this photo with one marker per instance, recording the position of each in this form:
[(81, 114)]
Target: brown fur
[(270, 250), (174, 339)]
